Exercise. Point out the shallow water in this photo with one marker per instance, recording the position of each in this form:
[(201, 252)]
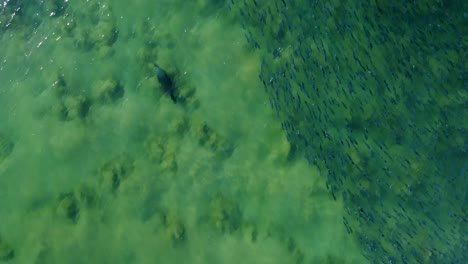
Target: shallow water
[(98, 165)]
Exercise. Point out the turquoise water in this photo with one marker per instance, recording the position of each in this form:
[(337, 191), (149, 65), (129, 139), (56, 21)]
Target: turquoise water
[(98, 165)]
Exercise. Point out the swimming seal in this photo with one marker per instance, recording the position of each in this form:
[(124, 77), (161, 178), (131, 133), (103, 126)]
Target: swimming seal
[(166, 82)]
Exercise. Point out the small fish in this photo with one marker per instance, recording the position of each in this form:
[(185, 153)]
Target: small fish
[(166, 82)]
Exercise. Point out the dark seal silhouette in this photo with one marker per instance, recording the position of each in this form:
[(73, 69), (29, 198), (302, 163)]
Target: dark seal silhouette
[(166, 82)]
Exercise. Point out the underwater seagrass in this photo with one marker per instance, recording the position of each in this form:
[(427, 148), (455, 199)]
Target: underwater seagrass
[(373, 93)]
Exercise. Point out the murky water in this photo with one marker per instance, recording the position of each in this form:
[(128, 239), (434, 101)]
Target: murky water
[(98, 164)]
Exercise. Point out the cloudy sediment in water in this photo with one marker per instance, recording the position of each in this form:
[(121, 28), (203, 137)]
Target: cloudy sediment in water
[(292, 132)]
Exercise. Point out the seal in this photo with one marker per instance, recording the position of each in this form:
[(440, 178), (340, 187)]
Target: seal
[(166, 82)]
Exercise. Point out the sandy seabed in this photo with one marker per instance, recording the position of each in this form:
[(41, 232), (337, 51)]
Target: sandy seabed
[(99, 165)]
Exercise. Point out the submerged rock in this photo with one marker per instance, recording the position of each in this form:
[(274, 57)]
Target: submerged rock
[(162, 150), (225, 215), (115, 171), (174, 228), (75, 107), (209, 138), (107, 91), (68, 207)]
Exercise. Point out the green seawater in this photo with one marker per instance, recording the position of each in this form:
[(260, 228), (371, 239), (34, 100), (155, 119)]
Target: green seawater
[(99, 165), (374, 95)]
